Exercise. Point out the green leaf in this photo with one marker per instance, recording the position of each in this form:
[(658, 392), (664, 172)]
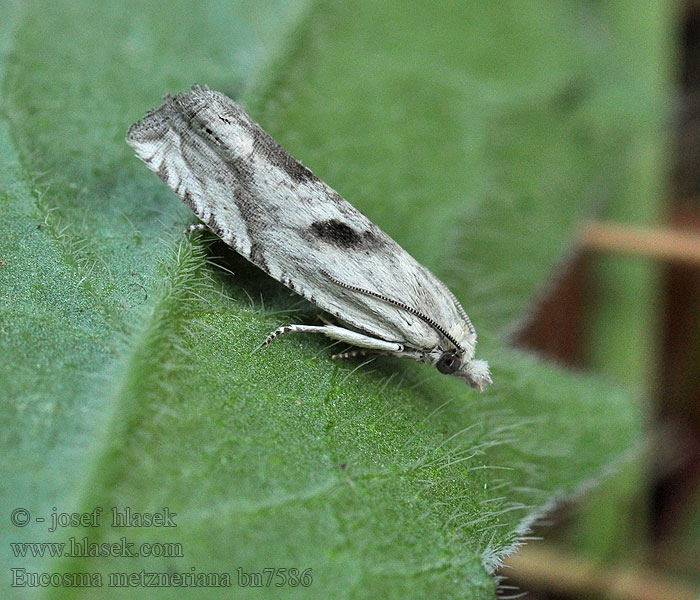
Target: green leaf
[(475, 134)]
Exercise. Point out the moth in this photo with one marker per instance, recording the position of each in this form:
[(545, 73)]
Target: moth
[(271, 209)]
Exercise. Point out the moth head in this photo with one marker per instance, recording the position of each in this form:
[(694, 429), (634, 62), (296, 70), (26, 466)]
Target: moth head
[(474, 372)]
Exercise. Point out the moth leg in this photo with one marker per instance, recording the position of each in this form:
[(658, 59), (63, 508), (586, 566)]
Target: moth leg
[(197, 227), (354, 353), (339, 333)]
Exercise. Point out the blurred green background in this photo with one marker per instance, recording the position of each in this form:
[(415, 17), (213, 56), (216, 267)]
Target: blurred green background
[(481, 136)]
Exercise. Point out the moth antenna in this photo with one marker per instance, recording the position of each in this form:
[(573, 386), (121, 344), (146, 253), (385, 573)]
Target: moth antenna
[(399, 304), (460, 309)]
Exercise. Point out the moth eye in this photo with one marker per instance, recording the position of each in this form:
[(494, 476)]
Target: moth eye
[(448, 363)]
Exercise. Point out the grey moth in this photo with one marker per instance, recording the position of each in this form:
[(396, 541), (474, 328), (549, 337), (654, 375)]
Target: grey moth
[(267, 206)]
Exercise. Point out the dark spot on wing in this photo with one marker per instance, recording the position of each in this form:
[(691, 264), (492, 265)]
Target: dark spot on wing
[(338, 233), (212, 134)]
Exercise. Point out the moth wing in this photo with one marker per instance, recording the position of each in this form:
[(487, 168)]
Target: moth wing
[(276, 213)]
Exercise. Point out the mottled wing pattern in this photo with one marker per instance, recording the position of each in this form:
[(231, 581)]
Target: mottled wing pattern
[(276, 213)]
